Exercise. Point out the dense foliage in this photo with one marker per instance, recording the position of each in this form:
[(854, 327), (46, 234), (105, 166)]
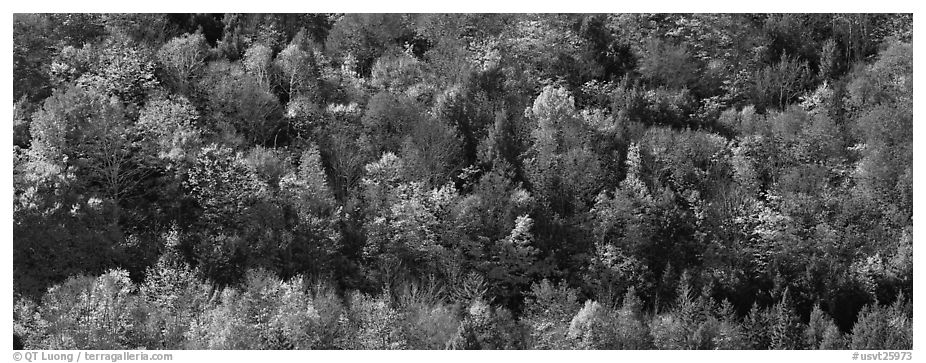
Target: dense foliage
[(506, 181)]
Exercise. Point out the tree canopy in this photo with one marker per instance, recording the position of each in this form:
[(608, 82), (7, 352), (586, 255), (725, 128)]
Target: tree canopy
[(463, 181)]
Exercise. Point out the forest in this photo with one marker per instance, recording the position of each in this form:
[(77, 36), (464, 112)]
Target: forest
[(462, 181)]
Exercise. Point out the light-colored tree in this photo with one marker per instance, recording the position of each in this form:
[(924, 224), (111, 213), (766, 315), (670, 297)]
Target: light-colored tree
[(91, 313), (300, 72), (169, 126), (258, 61), (184, 59), (547, 314)]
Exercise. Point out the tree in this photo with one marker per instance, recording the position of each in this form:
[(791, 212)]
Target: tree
[(224, 189), (376, 323), (884, 125), (404, 222), (267, 313), (396, 73), (366, 37), (432, 152), (731, 334), (174, 295), (885, 327), (486, 234), (547, 314), (756, 326), (487, 327), (90, 137), (690, 325), (669, 64), (309, 183), (468, 109), (153, 29), (318, 238), (590, 327), (183, 58), (239, 106), (331, 181), (58, 232), (90, 313), (343, 149), (121, 70), (513, 259), (623, 227), (821, 332), (560, 171), (257, 62), (31, 55), (777, 85), (428, 323), (544, 47), (300, 72), (785, 327), (171, 126), (387, 120)]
